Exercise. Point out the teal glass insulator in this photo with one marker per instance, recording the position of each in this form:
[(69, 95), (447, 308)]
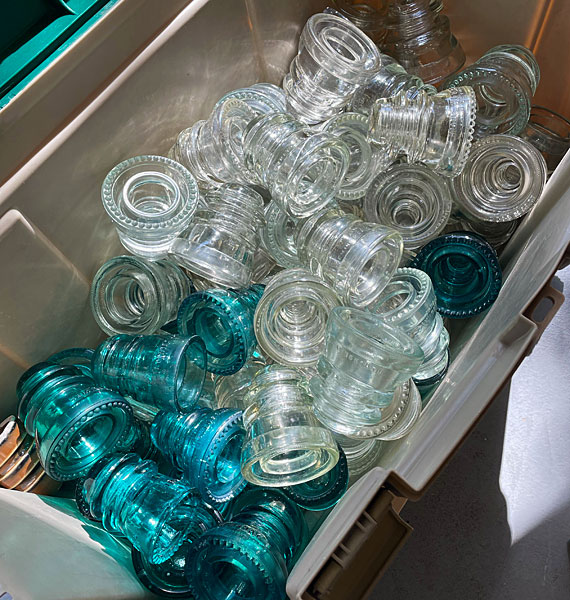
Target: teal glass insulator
[(165, 371), (74, 421), (249, 556), (324, 491), (206, 446), (138, 440), (155, 513), (168, 579), (223, 319), (77, 357), (465, 273)]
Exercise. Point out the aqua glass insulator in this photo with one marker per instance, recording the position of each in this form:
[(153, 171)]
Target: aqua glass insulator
[(291, 317), (249, 557), (168, 579), (278, 236), (391, 79), (502, 180), (262, 98), (285, 444), (223, 319), (165, 371), (302, 169), (434, 129), (324, 491), (138, 440), (420, 38), (221, 243), (231, 390), (206, 446), (355, 258), (465, 273), (155, 513), (367, 158), (134, 295), (413, 200), (77, 357), (212, 150), (321, 79), (74, 421), (549, 133), (362, 379), (409, 303), (151, 200), (504, 80), (361, 454)]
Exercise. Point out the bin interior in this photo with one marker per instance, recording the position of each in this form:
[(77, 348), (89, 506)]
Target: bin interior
[(54, 235)]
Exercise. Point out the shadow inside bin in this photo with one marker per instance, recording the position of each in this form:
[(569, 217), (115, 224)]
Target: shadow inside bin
[(110, 545), (461, 539)]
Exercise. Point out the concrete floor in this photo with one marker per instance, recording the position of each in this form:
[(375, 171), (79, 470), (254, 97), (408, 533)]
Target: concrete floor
[(496, 523)]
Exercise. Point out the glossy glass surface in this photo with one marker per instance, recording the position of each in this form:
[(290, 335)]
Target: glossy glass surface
[(323, 492), (249, 556), (165, 371), (20, 467), (504, 80), (278, 236), (231, 390), (409, 303), (302, 169), (334, 58), (502, 180), (367, 16), (291, 317), (151, 200), (212, 150), (411, 199), (155, 513), (420, 38), (206, 446), (355, 258), (434, 129), (367, 158), (285, 444), (223, 319), (74, 422), (549, 133), (262, 98), (364, 362), (465, 273), (361, 455), (134, 295), (391, 79), (223, 239)]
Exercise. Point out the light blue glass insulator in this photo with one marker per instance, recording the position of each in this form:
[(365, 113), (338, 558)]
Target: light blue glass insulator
[(155, 513), (206, 446), (74, 421), (223, 319), (249, 556), (165, 371)]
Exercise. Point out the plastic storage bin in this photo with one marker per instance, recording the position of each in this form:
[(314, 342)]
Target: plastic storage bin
[(135, 80)]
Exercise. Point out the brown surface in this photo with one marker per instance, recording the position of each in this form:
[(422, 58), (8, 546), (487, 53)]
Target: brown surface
[(541, 25)]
